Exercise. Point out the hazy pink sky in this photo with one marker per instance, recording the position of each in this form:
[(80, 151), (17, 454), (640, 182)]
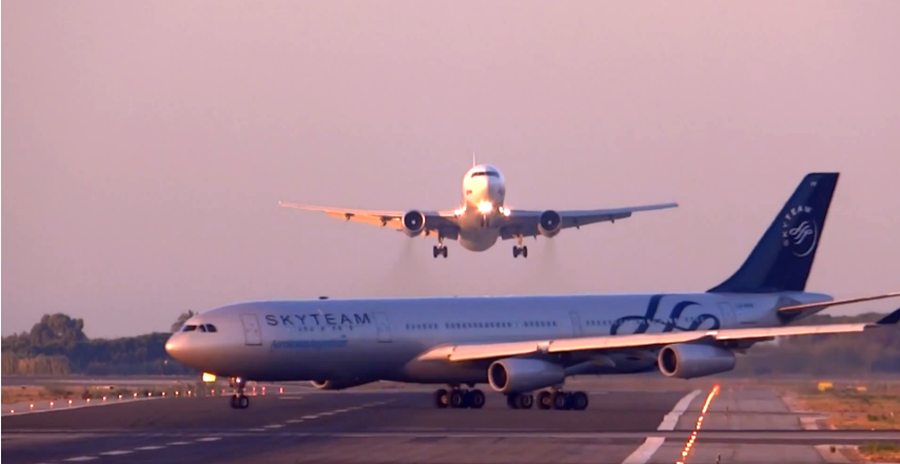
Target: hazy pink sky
[(146, 145)]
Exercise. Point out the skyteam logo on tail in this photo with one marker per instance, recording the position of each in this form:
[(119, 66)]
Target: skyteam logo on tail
[(799, 231)]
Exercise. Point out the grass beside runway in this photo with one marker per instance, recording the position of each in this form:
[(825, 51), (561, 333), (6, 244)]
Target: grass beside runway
[(872, 406), (880, 452)]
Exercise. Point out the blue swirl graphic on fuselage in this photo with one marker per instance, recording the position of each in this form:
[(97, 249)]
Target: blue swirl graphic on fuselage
[(671, 323)]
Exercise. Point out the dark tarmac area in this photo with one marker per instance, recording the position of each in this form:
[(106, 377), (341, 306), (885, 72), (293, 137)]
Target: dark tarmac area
[(405, 427)]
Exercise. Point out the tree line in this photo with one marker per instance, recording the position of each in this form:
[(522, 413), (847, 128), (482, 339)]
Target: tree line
[(57, 345)]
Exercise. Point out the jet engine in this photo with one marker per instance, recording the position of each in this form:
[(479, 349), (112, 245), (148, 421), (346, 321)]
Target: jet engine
[(413, 223), (685, 360), (517, 375), (338, 384), (549, 223)]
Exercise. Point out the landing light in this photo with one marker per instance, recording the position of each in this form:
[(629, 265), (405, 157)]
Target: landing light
[(207, 377), (504, 211), (485, 207)]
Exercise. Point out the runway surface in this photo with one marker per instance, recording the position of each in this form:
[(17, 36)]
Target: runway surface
[(745, 425)]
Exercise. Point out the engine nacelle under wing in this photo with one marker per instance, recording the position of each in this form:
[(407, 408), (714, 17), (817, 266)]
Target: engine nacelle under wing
[(413, 223), (549, 223), (686, 361), (517, 375)]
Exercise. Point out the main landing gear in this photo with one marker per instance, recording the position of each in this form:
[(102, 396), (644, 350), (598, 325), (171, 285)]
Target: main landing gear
[(440, 249), (559, 400), (562, 400), (239, 400), (520, 249), (459, 398)]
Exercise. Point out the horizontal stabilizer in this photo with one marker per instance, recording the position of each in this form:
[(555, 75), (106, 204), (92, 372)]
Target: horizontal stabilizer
[(826, 304)]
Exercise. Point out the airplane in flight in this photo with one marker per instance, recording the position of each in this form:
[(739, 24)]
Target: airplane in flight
[(482, 218), (519, 345)]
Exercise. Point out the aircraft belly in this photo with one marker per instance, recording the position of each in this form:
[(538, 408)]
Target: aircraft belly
[(476, 238)]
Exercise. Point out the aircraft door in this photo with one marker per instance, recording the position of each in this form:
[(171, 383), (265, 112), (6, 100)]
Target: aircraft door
[(252, 335), (383, 327), (727, 315), (576, 324)]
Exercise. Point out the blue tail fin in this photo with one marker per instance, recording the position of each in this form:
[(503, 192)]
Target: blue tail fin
[(784, 256)]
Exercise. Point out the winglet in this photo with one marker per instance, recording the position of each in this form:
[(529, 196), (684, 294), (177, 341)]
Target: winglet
[(891, 319)]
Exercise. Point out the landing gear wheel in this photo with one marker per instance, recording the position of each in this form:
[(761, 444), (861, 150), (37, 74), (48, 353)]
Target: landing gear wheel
[(544, 400), (476, 399), (515, 252), (525, 401), (511, 401), (457, 399), (561, 400), (441, 398), (579, 401), (439, 250), (239, 400), (524, 251)]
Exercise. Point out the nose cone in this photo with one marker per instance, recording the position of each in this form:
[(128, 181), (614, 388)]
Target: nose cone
[(175, 346)]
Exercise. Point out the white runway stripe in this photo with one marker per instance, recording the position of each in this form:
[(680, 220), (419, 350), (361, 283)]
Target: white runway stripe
[(116, 453), (149, 448), (209, 439), (82, 458)]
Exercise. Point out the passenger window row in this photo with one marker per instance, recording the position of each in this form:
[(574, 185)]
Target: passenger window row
[(421, 326), (541, 324), (478, 325), (653, 321)]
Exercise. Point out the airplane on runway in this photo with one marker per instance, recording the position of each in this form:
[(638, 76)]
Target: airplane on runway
[(522, 344), (482, 218)]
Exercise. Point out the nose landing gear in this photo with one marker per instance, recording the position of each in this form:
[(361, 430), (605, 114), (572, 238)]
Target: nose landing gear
[(239, 400), (520, 249), (440, 249)]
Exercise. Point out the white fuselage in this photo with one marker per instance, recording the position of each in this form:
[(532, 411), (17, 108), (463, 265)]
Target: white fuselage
[(381, 339), (483, 193)]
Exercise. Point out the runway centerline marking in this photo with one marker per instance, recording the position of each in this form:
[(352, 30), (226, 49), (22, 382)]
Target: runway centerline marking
[(149, 448), (116, 452), (646, 451), (326, 414), (209, 439), (179, 443), (82, 458)]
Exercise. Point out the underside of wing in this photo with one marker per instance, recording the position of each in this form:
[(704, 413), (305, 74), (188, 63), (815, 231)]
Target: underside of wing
[(416, 221), (550, 222), (391, 219)]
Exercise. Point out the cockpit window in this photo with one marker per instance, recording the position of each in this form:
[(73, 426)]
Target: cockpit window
[(189, 328), (485, 173), (202, 328), (210, 328)]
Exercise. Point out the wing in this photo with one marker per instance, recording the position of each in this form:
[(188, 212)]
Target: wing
[(525, 222), (442, 221), (485, 351)]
